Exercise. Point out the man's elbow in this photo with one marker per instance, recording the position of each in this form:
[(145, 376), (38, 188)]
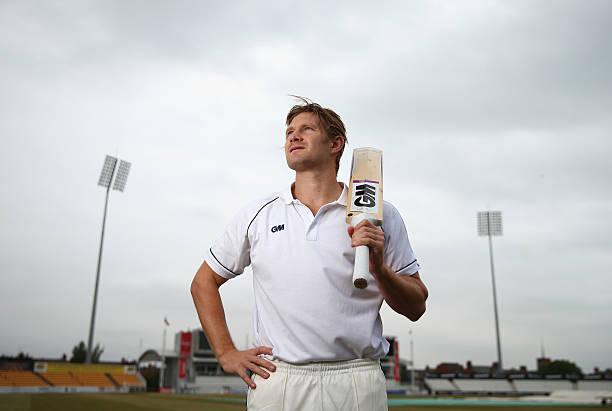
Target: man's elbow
[(417, 313), (198, 285), (205, 282), (194, 287), (419, 308)]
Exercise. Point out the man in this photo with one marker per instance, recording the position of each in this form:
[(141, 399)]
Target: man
[(318, 338)]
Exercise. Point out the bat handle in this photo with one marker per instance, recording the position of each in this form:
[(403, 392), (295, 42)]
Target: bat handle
[(361, 272)]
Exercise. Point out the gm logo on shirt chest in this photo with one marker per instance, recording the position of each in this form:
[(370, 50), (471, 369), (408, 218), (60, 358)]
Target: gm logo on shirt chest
[(277, 228)]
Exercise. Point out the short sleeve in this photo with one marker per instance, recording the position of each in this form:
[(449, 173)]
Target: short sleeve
[(398, 251), (230, 253)]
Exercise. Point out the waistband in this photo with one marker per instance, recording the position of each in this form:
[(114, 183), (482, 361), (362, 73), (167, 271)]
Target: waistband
[(328, 367)]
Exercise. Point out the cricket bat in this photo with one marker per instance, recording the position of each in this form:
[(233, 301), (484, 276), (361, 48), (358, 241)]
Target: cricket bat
[(365, 202)]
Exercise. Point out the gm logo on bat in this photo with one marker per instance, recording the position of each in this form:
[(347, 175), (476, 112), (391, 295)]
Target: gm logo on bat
[(365, 196), (277, 228)]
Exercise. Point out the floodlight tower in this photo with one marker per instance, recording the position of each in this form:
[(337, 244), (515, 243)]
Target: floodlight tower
[(106, 178), (412, 385), (490, 224)]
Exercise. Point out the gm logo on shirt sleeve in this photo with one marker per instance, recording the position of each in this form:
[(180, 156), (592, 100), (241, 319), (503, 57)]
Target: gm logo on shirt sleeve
[(277, 228)]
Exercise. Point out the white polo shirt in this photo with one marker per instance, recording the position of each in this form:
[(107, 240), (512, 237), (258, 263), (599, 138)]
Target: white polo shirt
[(306, 307)]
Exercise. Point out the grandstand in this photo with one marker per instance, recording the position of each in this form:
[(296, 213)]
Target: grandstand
[(594, 385), (48, 376), (20, 379), (441, 386), (481, 385), (93, 379), (456, 385), (60, 379), (449, 378), (543, 386), (126, 380)]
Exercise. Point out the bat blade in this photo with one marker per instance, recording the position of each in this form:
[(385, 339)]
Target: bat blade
[(365, 201)]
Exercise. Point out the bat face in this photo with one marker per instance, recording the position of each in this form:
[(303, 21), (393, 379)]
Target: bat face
[(365, 186), (365, 195)]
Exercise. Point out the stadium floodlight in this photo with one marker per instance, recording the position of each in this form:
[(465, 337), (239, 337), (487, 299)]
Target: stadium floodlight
[(106, 178), (490, 224), (122, 175)]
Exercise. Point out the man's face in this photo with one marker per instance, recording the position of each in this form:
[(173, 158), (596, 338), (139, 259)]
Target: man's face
[(306, 143)]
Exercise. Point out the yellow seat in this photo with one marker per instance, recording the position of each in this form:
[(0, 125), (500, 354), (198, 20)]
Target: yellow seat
[(93, 379), (61, 379), (127, 380), (21, 379)]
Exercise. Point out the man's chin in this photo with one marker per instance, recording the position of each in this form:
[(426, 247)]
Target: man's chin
[(293, 167), (297, 165)]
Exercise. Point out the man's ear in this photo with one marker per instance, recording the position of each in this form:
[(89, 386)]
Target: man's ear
[(337, 143)]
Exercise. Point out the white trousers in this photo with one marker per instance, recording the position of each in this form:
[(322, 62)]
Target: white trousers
[(355, 385)]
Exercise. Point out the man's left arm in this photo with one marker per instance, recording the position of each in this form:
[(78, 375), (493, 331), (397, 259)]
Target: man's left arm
[(405, 294)]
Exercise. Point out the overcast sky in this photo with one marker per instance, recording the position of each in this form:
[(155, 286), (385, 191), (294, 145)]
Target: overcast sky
[(502, 105)]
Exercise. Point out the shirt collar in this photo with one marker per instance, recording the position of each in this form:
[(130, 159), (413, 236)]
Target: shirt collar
[(287, 195), (343, 196)]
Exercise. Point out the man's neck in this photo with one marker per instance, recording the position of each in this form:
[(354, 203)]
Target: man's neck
[(315, 189)]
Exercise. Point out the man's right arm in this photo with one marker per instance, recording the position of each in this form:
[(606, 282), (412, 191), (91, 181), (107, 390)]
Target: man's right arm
[(205, 293)]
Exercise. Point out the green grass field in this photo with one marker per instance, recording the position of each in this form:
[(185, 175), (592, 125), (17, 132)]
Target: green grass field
[(178, 402)]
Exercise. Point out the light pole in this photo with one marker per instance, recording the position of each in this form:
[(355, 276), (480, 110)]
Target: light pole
[(163, 356), (412, 388), (106, 178), (490, 224)]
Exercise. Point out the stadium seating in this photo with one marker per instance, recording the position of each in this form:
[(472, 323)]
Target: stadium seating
[(126, 380), (61, 379), (441, 385), (4, 382), (542, 386), (21, 379), (93, 379), (595, 385), (484, 385), (63, 376)]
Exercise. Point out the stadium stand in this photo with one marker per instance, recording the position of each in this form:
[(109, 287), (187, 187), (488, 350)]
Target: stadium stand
[(33, 376), (491, 386), (543, 386), (595, 385), (61, 379), (22, 379), (4, 382), (502, 386), (93, 379), (441, 386), (126, 380)]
